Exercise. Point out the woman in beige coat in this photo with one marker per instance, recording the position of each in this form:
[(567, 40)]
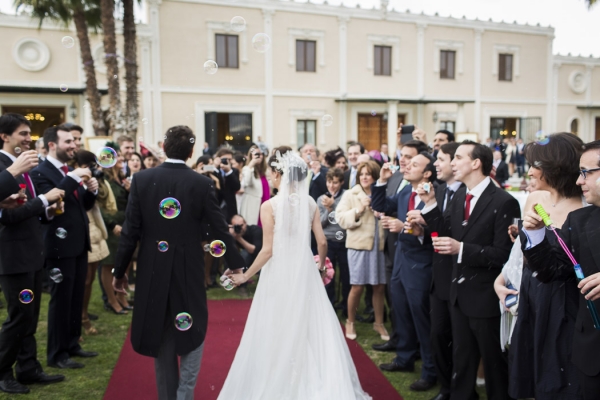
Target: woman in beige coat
[(256, 186), (365, 242)]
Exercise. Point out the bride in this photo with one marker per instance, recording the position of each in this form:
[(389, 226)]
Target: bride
[(293, 346)]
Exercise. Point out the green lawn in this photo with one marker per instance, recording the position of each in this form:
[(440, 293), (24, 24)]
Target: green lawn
[(91, 381)]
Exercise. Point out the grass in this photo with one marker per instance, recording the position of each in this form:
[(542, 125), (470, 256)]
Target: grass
[(91, 381)]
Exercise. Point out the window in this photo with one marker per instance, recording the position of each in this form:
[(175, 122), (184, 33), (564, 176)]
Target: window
[(505, 67), (447, 58), (306, 131), (306, 55), (447, 125), (227, 51), (575, 126), (383, 60)]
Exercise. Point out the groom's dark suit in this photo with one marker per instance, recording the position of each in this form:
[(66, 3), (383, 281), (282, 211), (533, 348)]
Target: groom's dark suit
[(170, 282)]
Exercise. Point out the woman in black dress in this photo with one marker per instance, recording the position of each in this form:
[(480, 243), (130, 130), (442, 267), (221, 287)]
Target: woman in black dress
[(540, 351)]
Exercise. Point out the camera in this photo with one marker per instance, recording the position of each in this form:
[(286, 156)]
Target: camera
[(96, 172), (237, 228)]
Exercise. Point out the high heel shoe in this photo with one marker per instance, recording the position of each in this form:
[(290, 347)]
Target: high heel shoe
[(88, 328), (350, 332), (126, 307), (380, 328), (108, 307)]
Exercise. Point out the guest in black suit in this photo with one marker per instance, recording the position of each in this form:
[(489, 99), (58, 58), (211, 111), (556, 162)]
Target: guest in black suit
[(231, 179), (8, 184), (383, 151), (581, 235), (439, 297), (127, 147), (170, 273), (477, 222), (66, 250), (318, 184), (355, 149), (21, 262), (500, 169)]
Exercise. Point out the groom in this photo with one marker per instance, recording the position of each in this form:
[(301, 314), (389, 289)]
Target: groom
[(166, 207)]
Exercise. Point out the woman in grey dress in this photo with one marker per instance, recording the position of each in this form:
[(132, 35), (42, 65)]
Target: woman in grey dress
[(365, 241)]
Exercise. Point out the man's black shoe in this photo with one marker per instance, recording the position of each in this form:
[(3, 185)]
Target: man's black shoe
[(42, 378), (92, 317), (387, 346), (441, 396), (10, 385), (393, 367), (368, 310), (83, 353), (67, 363), (421, 385), (369, 319)]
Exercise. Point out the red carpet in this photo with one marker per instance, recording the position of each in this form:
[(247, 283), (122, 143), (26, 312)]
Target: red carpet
[(133, 376)]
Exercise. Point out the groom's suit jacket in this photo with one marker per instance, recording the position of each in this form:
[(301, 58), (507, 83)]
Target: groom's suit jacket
[(170, 282)]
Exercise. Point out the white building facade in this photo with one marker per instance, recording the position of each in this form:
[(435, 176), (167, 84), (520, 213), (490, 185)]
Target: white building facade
[(367, 69)]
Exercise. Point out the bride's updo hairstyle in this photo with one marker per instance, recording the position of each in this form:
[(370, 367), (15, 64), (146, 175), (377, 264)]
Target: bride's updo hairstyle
[(295, 171)]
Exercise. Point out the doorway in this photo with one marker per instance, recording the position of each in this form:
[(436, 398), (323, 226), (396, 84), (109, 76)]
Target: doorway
[(233, 129), (372, 129), (597, 128)]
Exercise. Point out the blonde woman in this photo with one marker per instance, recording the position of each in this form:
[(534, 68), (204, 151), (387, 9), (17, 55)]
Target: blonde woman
[(365, 242), (256, 186)]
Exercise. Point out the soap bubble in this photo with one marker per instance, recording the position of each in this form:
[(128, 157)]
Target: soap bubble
[(183, 321), (115, 76), (544, 141), (339, 235), (211, 67), (18, 150), (26, 296), (63, 87), (373, 112), (331, 218), (217, 248), (68, 42), (327, 120), (227, 283), (192, 140), (106, 157), (461, 280), (163, 246), (294, 199), (261, 42), (169, 208), (145, 121), (238, 24), (61, 233), (206, 248), (56, 275)]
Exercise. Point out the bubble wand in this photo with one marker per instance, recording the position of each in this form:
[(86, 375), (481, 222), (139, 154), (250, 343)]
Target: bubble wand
[(578, 271)]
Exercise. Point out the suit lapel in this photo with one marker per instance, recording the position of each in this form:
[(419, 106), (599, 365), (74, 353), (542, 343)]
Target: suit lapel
[(7, 163), (480, 207), (403, 202), (440, 194), (592, 234), (458, 208)]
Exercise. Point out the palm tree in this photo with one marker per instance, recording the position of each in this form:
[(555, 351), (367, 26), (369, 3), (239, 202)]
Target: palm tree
[(84, 14), (115, 117), (131, 78), (590, 3)]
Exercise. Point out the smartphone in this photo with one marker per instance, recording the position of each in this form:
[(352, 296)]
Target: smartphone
[(328, 194), (407, 131), (257, 154), (210, 168), (511, 299)]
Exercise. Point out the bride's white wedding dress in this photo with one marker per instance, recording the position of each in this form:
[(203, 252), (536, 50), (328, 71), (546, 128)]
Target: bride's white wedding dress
[(293, 346)]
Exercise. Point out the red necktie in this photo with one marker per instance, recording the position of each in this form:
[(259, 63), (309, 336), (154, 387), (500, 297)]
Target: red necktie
[(29, 184), (411, 201), (468, 207), (65, 169)]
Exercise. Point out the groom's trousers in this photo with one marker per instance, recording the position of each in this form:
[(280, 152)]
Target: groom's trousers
[(173, 381)]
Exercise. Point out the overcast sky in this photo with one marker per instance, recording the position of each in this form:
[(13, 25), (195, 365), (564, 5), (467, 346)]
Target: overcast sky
[(577, 29)]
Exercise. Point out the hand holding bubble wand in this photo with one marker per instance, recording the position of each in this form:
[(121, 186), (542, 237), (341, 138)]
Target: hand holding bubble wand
[(578, 271)]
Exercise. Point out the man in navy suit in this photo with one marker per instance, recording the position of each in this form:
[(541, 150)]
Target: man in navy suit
[(318, 184), (21, 262), (67, 243), (411, 276)]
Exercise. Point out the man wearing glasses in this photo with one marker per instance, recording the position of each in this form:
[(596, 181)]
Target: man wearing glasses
[(581, 233)]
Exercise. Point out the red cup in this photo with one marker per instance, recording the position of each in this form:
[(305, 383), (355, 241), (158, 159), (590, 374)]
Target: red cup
[(434, 234), (23, 187)]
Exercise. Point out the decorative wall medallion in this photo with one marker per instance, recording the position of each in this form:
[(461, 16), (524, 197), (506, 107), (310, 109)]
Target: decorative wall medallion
[(578, 82), (31, 54)]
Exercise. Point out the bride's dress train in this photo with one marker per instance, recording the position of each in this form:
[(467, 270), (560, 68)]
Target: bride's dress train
[(293, 346)]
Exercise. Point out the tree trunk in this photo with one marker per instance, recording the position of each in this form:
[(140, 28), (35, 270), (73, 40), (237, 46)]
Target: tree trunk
[(115, 116), (131, 78), (91, 86)]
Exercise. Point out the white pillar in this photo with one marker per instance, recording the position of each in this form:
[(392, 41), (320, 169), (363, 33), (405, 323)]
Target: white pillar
[(421, 59), (477, 111), (460, 118), (157, 128), (268, 29), (392, 126), (547, 124)]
